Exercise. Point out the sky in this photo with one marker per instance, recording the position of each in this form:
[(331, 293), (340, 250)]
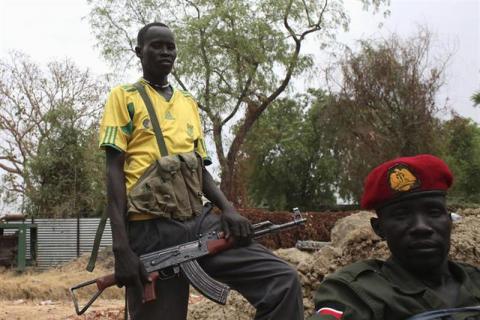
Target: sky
[(47, 30), (54, 29)]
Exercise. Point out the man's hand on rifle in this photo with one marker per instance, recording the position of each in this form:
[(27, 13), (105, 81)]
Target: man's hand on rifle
[(129, 271), (237, 226)]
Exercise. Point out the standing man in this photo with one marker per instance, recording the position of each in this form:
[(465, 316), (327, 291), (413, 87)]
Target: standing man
[(126, 134), (409, 197)]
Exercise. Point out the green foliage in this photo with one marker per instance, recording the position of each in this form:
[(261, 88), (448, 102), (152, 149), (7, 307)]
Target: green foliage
[(48, 136), (476, 98), (287, 163), (224, 47), (236, 57), (385, 108), (462, 153), (67, 170)]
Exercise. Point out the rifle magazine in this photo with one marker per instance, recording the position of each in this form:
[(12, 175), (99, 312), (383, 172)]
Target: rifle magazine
[(206, 285)]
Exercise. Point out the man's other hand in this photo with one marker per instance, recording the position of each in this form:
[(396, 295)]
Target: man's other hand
[(129, 270), (236, 226)]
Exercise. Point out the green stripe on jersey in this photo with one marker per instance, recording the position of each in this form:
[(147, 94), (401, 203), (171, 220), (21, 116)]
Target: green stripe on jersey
[(110, 135), (131, 110), (129, 88), (128, 128), (103, 145)]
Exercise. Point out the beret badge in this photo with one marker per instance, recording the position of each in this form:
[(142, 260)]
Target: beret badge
[(402, 179)]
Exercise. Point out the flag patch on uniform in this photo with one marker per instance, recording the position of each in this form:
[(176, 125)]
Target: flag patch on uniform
[(331, 312)]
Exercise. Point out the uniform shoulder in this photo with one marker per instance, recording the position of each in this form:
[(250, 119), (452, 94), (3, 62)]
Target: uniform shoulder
[(471, 270), (186, 94), (128, 87), (472, 273), (357, 269), (122, 90)]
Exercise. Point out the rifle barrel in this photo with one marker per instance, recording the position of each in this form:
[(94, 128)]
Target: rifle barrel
[(277, 227)]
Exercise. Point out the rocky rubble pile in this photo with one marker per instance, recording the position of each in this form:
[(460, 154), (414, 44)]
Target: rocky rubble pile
[(352, 239), (465, 245)]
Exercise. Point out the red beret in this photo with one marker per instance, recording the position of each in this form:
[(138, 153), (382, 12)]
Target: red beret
[(404, 177)]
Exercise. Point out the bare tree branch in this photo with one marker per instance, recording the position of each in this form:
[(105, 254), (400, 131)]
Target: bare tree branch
[(243, 94), (29, 99)]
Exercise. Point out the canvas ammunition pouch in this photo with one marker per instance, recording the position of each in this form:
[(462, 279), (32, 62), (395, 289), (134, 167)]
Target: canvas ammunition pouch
[(172, 186)]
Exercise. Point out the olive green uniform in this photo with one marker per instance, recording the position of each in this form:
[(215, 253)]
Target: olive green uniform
[(380, 290)]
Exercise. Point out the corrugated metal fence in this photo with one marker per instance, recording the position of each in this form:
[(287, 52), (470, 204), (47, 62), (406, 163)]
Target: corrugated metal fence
[(60, 239)]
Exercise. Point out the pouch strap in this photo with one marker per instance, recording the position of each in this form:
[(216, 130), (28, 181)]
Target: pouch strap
[(96, 242), (153, 117)]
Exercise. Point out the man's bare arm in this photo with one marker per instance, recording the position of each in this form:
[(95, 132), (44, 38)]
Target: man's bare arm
[(232, 222), (116, 198), (128, 269)]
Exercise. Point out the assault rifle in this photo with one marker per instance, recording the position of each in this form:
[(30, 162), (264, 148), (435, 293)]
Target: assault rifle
[(183, 258)]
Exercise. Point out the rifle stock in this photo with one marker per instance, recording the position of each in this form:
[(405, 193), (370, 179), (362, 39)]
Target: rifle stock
[(107, 281)]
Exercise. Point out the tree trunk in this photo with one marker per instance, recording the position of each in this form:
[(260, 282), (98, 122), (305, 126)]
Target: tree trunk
[(228, 184)]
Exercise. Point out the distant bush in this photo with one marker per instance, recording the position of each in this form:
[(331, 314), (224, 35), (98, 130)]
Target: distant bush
[(317, 227)]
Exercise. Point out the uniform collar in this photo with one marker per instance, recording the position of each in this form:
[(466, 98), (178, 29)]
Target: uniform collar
[(147, 84), (401, 279), (470, 284)]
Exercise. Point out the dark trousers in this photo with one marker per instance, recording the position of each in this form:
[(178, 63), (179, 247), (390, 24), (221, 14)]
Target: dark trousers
[(267, 282)]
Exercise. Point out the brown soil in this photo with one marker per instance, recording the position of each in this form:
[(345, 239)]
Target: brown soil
[(352, 239), (45, 294), (56, 310)]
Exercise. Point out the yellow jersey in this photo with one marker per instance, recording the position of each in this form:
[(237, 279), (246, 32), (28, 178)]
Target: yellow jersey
[(126, 126)]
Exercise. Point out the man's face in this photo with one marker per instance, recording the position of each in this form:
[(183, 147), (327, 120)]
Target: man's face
[(417, 231), (158, 52)]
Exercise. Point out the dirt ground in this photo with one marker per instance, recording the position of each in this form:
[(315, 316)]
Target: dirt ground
[(55, 310), (44, 295), (102, 309)]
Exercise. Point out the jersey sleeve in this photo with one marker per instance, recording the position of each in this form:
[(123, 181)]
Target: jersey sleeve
[(200, 145), (335, 300), (116, 122)]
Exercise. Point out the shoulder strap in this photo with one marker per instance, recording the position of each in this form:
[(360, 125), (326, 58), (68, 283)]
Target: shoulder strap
[(96, 242), (153, 117)]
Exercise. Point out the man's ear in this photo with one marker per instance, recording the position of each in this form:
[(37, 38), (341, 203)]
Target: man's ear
[(138, 52), (375, 223)]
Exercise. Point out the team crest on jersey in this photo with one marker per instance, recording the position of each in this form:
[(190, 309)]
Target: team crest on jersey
[(402, 179), (146, 123), (169, 116)]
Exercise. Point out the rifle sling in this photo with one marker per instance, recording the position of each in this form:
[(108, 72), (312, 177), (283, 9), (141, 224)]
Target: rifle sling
[(96, 242), (153, 117)]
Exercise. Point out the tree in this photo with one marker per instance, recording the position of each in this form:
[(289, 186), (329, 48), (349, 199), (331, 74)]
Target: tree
[(476, 98), (67, 171), (287, 164), (39, 107), (385, 108), (462, 153), (235, 56)]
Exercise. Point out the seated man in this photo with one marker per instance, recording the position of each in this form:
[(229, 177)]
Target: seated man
[(409, 198)]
